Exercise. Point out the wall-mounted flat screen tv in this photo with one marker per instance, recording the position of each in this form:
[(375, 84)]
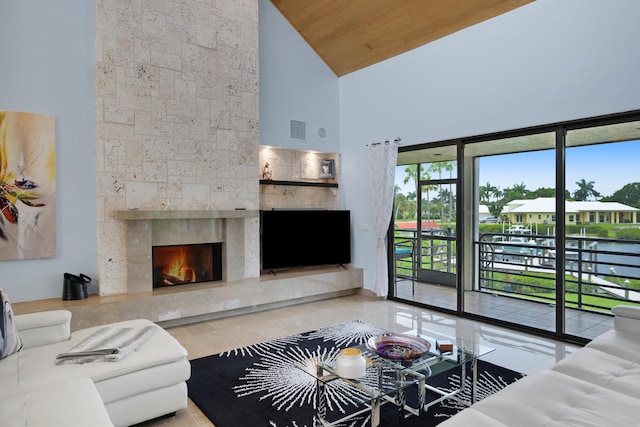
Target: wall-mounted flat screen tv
[(302, 238)]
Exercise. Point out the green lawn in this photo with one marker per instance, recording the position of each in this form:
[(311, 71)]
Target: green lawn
[(533, 288), (571, 300)]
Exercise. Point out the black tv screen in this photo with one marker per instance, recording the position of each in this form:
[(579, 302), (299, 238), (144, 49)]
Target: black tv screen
[(301, 238)]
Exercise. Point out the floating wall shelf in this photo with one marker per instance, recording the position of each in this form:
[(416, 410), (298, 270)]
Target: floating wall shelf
[(299, 183)]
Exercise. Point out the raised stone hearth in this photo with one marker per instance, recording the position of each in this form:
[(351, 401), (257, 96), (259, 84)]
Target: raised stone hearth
[(242, 290), (202, 301)]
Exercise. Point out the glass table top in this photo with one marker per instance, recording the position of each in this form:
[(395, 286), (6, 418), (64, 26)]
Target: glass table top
[(431, 363), (390, 380)]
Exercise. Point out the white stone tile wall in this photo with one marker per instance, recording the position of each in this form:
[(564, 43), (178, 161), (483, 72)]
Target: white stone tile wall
[(297, 165), (176, 116)]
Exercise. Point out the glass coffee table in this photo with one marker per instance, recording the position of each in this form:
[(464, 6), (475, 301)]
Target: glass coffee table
[(390, 381)]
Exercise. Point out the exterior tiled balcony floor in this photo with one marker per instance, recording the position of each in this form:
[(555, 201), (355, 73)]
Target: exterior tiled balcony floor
[(515, 310)]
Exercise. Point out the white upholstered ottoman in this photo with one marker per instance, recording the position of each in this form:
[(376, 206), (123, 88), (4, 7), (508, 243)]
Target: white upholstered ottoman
[(147, 383)]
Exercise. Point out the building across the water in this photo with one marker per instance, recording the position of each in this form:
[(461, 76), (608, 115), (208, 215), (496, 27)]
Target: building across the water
[(542, 211)]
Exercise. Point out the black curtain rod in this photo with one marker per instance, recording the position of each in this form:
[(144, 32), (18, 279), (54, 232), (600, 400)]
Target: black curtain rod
[(397, 140)]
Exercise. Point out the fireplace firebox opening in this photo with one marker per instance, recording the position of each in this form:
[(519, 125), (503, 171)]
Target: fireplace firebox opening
[(183, 264)]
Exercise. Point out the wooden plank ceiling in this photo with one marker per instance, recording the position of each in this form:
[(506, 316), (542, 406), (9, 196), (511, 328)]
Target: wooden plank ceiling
[(353, 34)]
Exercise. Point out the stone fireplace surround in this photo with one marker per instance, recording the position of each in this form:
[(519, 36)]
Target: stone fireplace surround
[(148, 228)]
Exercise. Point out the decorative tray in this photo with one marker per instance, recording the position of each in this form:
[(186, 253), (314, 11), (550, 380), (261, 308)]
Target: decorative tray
[(398, 347)]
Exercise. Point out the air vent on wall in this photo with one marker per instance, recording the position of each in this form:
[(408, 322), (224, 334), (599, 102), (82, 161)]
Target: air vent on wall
[(298, 130)]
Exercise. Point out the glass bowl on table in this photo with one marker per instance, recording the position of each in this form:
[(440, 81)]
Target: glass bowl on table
[(399, 347)]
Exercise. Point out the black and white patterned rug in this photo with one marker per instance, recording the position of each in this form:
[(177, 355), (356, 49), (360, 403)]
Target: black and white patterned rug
[(266, 384)]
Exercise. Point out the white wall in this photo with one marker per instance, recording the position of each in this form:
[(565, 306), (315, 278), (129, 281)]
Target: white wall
[(298, 85), (46, 67), (548, 61)]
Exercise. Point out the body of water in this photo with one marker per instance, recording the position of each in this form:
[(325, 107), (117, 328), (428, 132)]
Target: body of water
[(632, 260)]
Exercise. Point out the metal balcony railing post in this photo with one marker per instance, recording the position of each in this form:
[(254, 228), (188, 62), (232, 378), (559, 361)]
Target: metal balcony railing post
[(580, 246)]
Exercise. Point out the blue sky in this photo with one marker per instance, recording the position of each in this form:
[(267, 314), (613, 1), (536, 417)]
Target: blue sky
[(609, 166)]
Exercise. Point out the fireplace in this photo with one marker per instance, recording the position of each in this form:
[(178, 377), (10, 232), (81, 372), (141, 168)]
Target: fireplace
[(237, 230), (183, 264)]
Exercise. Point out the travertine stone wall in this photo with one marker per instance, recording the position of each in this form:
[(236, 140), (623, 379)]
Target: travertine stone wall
[(176, 116)]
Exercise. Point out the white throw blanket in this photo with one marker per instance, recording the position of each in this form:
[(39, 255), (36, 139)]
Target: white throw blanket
[(107, 344)]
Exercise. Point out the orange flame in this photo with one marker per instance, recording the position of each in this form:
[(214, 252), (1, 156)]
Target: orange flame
[(179, 268)]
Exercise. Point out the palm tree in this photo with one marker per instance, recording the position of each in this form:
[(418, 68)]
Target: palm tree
[(416, 174), (488, 191), (427, 189), (520, 189), (449, 168), (448, 198), (400, 202), (517, 191), (497, 194), (439, 167), (413, 175), (585, 190)]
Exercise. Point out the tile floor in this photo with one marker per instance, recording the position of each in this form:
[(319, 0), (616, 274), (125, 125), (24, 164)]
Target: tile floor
[(514, 350)]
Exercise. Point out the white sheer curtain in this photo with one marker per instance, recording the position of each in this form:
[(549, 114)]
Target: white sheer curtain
[(382, 166)]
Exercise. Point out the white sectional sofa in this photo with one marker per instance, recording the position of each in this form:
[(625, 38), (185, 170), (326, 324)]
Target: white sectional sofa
[(597, 386), (147, 383)]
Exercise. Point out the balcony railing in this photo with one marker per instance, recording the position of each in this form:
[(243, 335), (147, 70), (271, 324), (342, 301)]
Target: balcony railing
[(599, 273), (434, 251)]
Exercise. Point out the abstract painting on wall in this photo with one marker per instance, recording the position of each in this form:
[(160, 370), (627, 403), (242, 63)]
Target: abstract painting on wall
[(27, 186)]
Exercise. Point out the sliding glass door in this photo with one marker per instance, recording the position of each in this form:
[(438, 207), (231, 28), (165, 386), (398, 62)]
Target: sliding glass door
[(425, 226), (510, 276), (602, 231), (437, 236), (537, 229)]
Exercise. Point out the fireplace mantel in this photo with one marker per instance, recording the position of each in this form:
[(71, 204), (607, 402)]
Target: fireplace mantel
[(136, 215)]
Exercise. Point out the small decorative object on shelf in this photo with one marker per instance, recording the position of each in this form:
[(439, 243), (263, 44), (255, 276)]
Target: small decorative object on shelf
[(266, 171), (444, 346), (326, 169)]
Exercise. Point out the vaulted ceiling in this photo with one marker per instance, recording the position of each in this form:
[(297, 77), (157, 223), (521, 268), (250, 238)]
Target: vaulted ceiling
[(353, 34)]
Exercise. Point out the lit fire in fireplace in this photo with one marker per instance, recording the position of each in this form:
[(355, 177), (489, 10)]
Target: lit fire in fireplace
[(179, 269), (182, 264)]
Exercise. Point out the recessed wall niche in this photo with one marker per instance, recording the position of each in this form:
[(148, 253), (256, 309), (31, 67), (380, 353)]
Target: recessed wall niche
[(297, 167)]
